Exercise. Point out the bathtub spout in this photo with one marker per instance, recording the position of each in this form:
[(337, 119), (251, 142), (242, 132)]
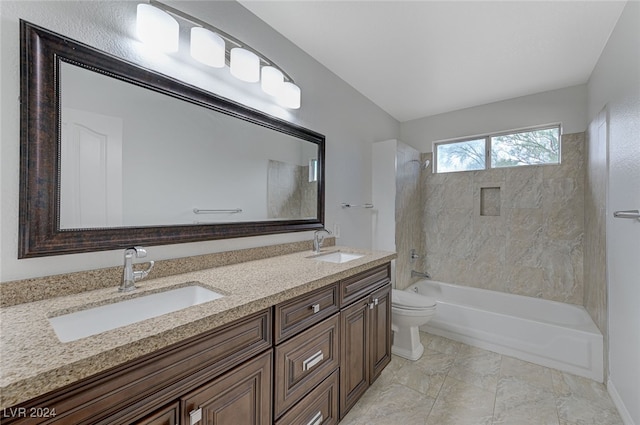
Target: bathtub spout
[(420, 274)]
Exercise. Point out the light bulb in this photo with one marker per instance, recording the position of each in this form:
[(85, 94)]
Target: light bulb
[(272, 80), (245, 65), (157, 29), (207, 47), (289, 96)]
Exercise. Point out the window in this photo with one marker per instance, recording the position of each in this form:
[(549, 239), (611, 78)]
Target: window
[(533, 146)]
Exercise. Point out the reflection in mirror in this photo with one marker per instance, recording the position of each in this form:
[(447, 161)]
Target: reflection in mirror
[(113, 154), (135, 157)]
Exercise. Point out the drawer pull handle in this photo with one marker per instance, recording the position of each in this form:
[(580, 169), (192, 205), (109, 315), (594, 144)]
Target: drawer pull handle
[(371, 305), (312, 361), (375, 301), (315, 308), (317, 419), (195, 416)]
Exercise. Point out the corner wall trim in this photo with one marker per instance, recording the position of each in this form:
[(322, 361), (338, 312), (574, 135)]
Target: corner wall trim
[(622, 409)]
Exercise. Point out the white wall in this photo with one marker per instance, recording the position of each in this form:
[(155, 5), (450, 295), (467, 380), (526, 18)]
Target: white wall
[(350, 122), (615, 84), (566, 105)]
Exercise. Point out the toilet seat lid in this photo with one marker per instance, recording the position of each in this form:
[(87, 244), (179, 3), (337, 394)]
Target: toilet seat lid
[(408, 299)]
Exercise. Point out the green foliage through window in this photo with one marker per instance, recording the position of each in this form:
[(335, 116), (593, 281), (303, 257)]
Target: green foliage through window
[(527, 147)]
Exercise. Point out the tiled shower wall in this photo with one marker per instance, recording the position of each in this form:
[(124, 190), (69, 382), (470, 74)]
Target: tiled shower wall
[(289, 192), (409, 231), (517, 230)]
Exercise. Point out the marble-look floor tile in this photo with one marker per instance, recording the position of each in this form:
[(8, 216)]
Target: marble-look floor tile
[(583, 411), (439, 344), (531, 373), (390, 405), (427, 374), (566, 384), (519, 402), (457, 384), (479, 369), (460, 403)]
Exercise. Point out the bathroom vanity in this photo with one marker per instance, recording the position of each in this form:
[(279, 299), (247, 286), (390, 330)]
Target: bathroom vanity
[(294, 340)]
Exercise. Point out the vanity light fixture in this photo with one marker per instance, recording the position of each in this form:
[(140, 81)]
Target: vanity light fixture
[(157, 27)]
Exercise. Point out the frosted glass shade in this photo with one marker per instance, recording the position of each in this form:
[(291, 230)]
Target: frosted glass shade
[(157, 29), (207, 47), (289, 96), (245, 65), (271, 80)]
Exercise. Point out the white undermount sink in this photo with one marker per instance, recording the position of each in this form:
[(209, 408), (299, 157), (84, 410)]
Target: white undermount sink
[(92, 321), (337, 257)]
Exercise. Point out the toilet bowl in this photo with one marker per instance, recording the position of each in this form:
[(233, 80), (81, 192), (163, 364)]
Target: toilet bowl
[(409, 311)]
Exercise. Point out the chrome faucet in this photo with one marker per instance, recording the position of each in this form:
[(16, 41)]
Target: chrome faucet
[(420, 274), (129, 277), (318, 239)]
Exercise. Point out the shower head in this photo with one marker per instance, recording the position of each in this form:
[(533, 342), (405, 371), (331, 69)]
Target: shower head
[(423, 164)]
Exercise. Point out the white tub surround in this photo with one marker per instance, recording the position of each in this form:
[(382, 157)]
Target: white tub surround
[(548, 333)]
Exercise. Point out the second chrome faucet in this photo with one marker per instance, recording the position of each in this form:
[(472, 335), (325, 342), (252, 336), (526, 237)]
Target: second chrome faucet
[(318, 238)]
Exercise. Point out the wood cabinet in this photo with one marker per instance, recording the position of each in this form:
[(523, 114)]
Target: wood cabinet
[(307, 355), (131, 392), (366, 334), (241, 396), (305, 361), (165, 416)]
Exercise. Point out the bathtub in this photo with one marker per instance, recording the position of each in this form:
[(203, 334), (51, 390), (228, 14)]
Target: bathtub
[(549, 333)]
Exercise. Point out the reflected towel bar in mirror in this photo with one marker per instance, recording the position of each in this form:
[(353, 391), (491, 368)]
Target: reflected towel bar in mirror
[(232, 211), (344, 205)]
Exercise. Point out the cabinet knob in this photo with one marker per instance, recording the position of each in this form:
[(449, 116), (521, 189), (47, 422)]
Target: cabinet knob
[(315, 308), (371, 305)]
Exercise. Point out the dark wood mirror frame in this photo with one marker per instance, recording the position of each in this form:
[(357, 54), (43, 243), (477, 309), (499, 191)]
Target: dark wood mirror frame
[(39, 231)]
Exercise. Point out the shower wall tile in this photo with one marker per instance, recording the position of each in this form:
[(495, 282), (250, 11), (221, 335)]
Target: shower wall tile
[(524, 188), (521, 280), (533, 248)]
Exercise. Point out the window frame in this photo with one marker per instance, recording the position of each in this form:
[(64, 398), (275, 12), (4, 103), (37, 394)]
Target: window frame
[(488, 146)]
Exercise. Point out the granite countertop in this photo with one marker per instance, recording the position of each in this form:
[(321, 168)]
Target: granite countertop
[(33, 361)]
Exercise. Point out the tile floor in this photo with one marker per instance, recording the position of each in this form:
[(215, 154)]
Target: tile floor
[(456, 384)]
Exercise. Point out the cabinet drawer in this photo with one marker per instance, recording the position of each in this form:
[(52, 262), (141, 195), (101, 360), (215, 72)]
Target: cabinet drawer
[(301, 312), (320, 406), (362, 284), (304, 361)]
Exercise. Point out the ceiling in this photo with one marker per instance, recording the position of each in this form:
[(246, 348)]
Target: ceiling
[(421, 58)]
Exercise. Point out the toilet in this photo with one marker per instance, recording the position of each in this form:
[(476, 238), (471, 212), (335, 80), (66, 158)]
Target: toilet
[(409, 311)]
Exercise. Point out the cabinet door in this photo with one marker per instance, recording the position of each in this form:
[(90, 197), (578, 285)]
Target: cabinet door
[(380, 331), (166, 416), (354, 370), (242, 396)]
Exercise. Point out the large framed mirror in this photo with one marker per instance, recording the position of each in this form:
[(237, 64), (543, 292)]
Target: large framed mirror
[(113, 154)]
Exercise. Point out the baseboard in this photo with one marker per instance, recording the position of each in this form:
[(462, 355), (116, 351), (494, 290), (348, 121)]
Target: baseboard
[(622, 409)]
